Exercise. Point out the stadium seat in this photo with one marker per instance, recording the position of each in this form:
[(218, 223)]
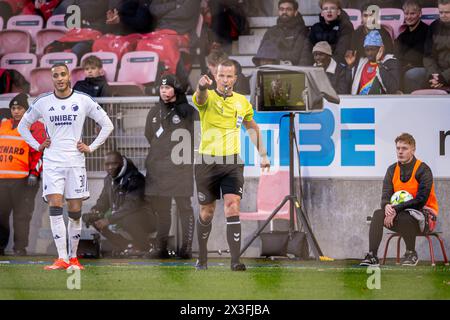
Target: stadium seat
[(56, 22), (69, 58), (22, 62), (109, 60), (76, 74), (41, 81), (393, 17), (30, 23), (1, 23), (14, 41), (46, 36), (429, 92), (269, 197), (429, 15), (430, 244), (355, 17)]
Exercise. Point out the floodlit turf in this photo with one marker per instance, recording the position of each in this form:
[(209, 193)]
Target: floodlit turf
[(176, 279)]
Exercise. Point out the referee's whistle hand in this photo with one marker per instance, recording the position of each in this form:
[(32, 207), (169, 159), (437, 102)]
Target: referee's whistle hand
[(45, 144), (82, 147)]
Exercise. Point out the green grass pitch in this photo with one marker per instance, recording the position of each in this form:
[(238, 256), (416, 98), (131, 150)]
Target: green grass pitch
[(24, 278)]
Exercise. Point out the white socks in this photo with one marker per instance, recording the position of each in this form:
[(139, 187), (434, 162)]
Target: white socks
[(59, 235), (74, 229)]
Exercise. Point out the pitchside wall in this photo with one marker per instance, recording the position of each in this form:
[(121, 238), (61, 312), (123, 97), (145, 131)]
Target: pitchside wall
[(345, 151)]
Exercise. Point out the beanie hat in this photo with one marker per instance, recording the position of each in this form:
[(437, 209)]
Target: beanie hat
[(324, 47), (20, 100), (169, 80), (373, 38)]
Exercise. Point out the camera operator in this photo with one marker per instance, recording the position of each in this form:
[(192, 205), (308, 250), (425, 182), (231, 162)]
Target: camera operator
[(123, 195)]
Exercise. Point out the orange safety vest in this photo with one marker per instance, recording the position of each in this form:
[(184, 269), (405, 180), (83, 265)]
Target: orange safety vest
[(412, 186), (14, 152)]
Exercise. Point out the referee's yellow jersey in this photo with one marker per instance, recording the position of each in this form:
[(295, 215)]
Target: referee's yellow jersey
[(221, 121)]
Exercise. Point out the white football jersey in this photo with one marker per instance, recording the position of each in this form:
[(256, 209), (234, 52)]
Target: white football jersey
[(64, 120)]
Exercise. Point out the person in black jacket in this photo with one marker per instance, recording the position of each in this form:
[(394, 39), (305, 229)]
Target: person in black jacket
[(339, 75), (288, 37), (95, 83), (410, 48), (170, 131), (411, 217), (334, 27), (123, 197)]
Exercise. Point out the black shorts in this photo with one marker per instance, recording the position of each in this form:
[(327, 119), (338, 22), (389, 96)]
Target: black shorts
[(213, 178)]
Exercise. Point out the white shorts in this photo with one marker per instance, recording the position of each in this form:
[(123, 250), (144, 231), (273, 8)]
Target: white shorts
[(70, 182)]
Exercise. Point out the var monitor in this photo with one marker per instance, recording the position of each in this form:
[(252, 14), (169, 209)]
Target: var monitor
[(281, 91)]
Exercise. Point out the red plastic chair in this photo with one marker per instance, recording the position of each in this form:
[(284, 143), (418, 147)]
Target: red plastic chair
[(355, 17), (56, 22), (29, 23), (77, 74), (273, 187), (430, 244), (429, 15), (46, 36), (109, 60), (393, 17), (429, 92), (41, 81), (22, 62), (69, 58), (14, 41), (139, 67)]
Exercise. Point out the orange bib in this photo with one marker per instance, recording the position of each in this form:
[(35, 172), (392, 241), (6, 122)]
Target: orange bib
[(14, 152), (412, 186)]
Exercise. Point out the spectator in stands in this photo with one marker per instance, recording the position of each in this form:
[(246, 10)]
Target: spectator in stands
[(228, 22), (179, 15), (170, 171), (410, 48), (361, 32), (409, 218), (377, 72), (95, 83), (338, 74), (334, 27), (288, 36), (213, 60), (437, 49), (19, 176), (121, 203), (13, 81), (43, 8)]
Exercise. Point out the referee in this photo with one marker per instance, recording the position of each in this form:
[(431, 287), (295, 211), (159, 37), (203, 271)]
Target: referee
[(220, 169)]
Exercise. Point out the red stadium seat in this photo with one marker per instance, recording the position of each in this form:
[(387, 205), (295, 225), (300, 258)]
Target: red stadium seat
[(14, 41), (41, 81), (393, 17), (22, 62), (30, 23), (109, 60), (69, 58), (56, 22), (76, 74), (429, 92), (46, 36), (429, 15), (269, 196), (139, 67), (355, 17)]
